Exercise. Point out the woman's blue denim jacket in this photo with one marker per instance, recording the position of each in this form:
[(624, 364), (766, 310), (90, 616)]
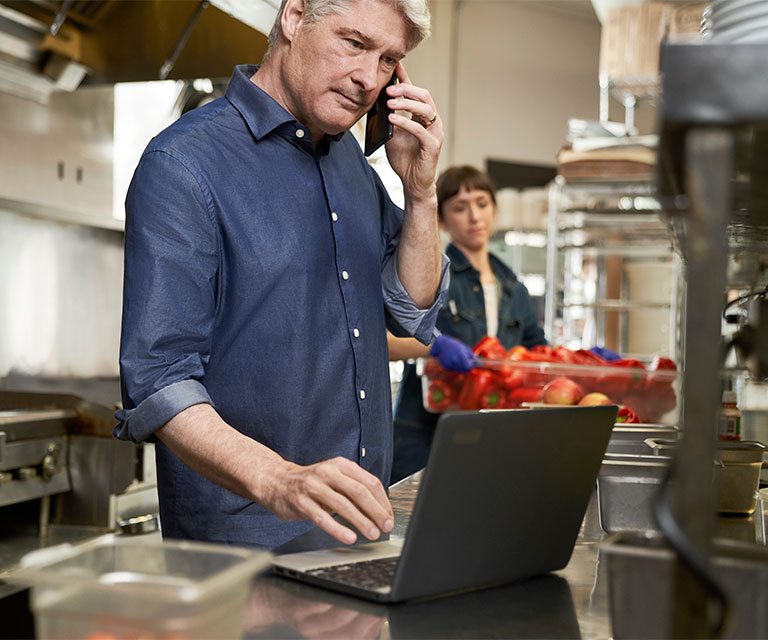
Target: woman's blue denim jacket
[(463, 317)]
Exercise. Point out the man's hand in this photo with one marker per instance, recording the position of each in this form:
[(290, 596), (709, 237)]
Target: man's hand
[(337, 486), (415, 146), (413, 152)]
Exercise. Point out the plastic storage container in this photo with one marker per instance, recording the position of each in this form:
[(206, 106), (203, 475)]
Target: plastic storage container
[(510, 384), (121, 588)]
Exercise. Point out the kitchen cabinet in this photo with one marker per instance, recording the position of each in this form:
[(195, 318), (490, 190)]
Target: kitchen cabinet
[(72, 159), (56, 159)]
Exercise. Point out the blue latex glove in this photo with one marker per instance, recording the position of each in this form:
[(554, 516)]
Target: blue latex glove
[(606, 353), (453, 354)]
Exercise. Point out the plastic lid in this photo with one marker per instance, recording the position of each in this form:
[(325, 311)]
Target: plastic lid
[(729, 397)]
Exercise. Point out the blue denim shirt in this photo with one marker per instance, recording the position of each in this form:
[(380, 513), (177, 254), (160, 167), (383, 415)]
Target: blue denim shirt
[(260, 278), (463, 317)]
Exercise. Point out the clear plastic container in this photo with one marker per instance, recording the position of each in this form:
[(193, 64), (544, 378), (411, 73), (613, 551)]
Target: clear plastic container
[(122, 588), (651, 394)]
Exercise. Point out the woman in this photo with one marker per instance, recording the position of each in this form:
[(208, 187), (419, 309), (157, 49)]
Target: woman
[(485, 298)]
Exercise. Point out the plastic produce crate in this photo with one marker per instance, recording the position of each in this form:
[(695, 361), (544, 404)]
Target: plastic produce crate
[(121, 588), (510, 384)]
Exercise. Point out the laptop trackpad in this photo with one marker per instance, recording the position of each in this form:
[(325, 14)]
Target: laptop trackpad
[(316, 539)]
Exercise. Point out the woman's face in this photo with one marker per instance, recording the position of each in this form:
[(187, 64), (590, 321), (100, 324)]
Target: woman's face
[(468, 218)]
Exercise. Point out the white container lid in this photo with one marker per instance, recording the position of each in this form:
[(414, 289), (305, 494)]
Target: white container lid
[(730, 397)]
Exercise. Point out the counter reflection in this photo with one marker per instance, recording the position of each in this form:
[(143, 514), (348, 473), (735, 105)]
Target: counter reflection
[(539, 607)]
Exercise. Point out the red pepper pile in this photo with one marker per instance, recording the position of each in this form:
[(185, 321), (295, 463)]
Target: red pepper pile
[(645, 393)]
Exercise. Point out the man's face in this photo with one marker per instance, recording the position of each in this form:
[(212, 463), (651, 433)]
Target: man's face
[(336, 68)]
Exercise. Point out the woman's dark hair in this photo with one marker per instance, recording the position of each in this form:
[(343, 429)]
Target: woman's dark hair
[(452, 180)]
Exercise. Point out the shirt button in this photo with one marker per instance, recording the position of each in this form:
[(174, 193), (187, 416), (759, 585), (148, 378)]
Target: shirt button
[(345, 275), (356, 332), (299, 133), (363, 452), (475, 288), (362, 394), (334, 217)]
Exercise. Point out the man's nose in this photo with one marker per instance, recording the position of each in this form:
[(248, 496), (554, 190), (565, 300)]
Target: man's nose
[(367, 73)]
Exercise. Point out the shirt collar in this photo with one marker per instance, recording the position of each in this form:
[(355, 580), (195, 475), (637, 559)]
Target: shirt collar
[(262, 113), (459, 261)]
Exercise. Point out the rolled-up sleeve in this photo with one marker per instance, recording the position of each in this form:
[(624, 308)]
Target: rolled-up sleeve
[(169, 295), (405, 317)]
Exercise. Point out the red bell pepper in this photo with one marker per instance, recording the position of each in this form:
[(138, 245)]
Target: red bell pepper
[(490, 348), (561, 354), (624, 382), (587, 357), (544, 351), (432, 368), (518, 352), (651, 407), (536, 354), (509, 376), (440, 395), (476, 383), (660, 362), (517, 397), (626, 415), (658, 384), (493, 398)]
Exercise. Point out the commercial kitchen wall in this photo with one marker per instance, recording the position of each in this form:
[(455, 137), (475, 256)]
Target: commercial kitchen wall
[(60, 270), (506, 75)]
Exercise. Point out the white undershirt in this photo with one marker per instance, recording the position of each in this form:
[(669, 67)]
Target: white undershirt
[(491, 295)]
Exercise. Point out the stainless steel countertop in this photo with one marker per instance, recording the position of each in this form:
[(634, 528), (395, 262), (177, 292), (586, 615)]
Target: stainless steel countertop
[(571, 603)]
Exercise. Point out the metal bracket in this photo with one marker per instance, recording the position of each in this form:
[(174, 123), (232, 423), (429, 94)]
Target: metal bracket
[(168, 64)]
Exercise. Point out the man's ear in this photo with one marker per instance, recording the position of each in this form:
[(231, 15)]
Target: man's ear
[(293, 12)]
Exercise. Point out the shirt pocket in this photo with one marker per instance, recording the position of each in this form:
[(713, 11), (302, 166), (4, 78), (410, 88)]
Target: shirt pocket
[(510, 331), (460, 322)]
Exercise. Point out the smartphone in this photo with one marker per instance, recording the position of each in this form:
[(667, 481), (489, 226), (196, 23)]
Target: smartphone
[(378, 128)]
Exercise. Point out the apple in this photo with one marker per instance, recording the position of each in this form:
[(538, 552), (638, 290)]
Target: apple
[(561, 391), (594, 398)]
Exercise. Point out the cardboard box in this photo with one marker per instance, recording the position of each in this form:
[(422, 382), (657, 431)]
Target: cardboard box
[(631, 38), (685, 23)]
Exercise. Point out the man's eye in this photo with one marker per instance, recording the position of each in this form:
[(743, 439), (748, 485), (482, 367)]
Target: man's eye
[(390, 62), (355, 44)]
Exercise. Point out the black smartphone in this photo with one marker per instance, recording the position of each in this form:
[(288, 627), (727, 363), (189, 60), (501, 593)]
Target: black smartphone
[(378, 128)]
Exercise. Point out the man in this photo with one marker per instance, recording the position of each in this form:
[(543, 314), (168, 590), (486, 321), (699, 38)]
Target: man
[(264, 261)]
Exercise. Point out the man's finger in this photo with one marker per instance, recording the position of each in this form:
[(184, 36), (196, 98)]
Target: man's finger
[(374, 488), (326, 522), (352, 512)]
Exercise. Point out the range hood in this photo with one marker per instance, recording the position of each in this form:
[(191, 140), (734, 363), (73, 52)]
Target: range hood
[(48, 45)]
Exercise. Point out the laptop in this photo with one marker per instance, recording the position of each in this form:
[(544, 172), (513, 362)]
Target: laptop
[(502, 498)]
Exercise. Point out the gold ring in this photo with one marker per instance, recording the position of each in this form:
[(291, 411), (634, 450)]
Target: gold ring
[(431, 121)]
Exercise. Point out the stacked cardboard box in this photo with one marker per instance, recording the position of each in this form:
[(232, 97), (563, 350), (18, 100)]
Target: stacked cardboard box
[(632, 35)]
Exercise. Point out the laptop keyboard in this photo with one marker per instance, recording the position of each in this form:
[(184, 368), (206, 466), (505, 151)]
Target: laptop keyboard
[(370, 573)]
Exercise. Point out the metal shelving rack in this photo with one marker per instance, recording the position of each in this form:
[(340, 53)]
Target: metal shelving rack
[(630, 92), (594, 223)]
